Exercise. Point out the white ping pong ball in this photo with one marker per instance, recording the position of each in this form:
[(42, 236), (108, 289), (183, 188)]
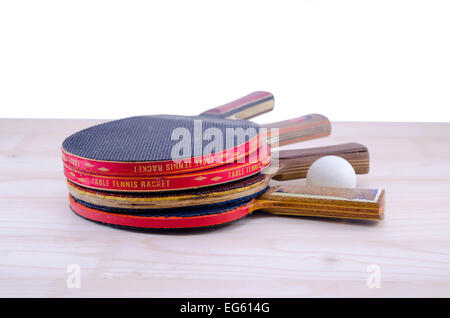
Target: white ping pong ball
[(331, 171)]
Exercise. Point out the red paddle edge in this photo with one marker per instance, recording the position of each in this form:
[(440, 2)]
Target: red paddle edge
[(159, 222), (166, 167), (215, 176)]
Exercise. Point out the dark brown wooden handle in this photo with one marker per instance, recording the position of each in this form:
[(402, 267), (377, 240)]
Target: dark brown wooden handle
[(294, 164), (299, 129), (365, 204)]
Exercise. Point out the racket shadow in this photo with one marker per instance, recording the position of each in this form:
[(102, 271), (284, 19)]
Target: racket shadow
[(261, 215), (356, 222)]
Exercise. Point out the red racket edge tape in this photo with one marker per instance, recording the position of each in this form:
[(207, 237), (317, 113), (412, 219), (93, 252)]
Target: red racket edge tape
[(219, 175), (165, 167), (160, 222)]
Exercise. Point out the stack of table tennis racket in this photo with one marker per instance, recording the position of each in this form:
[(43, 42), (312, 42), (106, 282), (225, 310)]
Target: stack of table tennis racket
[(171, 172)]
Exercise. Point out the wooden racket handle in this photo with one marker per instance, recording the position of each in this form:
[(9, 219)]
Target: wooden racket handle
[(299, 129), (249, 106), (365, 204), (294, 164)]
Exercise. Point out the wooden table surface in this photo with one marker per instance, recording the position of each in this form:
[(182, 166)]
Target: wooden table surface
[(260, 256)]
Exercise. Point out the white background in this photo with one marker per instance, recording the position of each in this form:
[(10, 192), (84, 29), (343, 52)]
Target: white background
[(350, 60)]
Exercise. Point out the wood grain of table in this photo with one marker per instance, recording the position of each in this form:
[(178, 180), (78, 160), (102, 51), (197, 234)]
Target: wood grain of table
[(260, 256)]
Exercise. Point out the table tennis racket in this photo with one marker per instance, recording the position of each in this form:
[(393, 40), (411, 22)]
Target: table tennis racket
[(294, 130), (366, 204), (129, 147), (246, 107), (143, 145), (293, 164)]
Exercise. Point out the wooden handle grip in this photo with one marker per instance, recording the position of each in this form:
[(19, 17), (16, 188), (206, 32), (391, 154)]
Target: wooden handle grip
[(299, 129), (246, 107), (365, 204), (294, 164)]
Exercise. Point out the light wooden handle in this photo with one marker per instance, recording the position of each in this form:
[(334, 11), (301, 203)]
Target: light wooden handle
[(365, 204), (249, 106), (299, 129), (294, 164)]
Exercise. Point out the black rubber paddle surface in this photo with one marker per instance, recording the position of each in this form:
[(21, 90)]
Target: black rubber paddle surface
[(149, 138)]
